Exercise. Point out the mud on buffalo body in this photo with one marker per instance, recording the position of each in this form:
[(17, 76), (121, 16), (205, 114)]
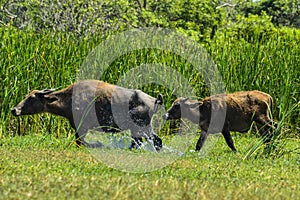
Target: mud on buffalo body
[(93, 104), (226, 112)]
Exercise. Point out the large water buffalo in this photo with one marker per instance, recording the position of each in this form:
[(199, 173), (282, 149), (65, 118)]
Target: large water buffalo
[(93, 104), (226, 112)]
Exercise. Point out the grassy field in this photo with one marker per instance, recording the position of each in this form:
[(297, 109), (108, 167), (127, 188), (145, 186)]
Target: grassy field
[(39, 158), (44, 167)]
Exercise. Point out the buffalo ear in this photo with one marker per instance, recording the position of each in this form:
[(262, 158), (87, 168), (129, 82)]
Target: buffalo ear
[(185, 99), (42, 93), (194, 105), (50, 98), (47, 95)]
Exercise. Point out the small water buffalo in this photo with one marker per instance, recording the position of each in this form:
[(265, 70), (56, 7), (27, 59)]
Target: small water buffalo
[(93, 104), (224, 113)]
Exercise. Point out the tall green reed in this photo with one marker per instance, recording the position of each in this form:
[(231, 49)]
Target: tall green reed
[(35, 61), (31, 60)]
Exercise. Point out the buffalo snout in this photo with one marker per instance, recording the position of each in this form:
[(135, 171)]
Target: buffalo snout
[(166, 116), (15, 111)]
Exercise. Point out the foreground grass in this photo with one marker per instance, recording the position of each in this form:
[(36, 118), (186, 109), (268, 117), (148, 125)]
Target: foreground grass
[(39, 167)]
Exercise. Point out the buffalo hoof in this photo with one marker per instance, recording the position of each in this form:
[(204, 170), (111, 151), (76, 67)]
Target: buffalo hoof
[(157, 142), (136, 143)]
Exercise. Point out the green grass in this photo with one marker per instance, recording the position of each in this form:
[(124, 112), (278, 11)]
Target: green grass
[(39, 159), (42, 167), (52, 60)]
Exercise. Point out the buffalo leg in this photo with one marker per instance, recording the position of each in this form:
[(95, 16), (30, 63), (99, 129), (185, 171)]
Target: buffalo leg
[(265, 132), (228, 139), (201, 140), (265, 128), (79, 136), (79, 141), (136, 143), (154, 139), (157, 142)]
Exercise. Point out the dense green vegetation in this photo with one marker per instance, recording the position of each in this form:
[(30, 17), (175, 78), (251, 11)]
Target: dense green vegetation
[(255, 45)]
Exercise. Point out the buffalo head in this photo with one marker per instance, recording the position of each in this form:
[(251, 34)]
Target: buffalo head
[(34, 103)]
